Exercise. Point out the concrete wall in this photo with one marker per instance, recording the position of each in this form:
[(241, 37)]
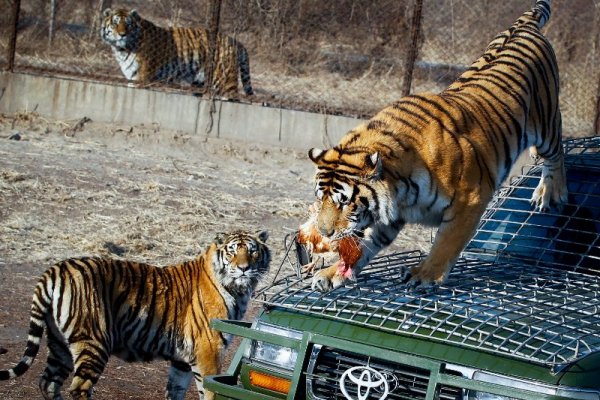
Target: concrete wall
[(73, 99)]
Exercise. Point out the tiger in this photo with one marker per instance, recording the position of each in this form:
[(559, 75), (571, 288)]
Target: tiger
[(149, 53), (437, 159), (95, 307)]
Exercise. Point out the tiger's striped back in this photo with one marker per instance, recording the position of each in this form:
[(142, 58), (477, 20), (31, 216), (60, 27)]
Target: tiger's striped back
[(149, 53), (436, 159), (95, 307), (513, 87)]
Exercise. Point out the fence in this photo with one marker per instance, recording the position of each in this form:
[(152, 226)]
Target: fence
[(348, 57)]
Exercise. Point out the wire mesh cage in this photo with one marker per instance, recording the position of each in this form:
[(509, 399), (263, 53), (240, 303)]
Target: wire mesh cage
[(527, 286), (567, 237), (346, 57)]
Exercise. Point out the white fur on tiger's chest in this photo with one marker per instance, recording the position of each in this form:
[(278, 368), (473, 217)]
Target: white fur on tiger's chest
[(128, 63)]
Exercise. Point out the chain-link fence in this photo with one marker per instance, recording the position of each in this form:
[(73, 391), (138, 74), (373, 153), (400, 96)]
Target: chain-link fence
[(349, 57)]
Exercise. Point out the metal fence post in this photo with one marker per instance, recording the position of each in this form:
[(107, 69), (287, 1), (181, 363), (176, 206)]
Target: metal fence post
[(52, 25), (413, 50), (214, 15), (596, 48), (97, 17), (12, 37), (597, 119)]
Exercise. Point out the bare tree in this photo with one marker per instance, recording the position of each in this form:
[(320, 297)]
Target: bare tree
[(214, 18), (52, 25), (97, 16), (12, 39), (596, 50), (414, 46)]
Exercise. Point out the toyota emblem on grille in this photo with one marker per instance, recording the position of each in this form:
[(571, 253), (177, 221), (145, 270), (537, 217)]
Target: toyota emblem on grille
[(368, 383)]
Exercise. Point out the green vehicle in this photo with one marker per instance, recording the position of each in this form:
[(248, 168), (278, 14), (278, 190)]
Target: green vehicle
[(518, 318)]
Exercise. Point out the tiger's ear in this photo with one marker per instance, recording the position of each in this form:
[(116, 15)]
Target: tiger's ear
[(106, 12), (263, 236), (315, 154), (134, 14), (373, 166), (220, 238)]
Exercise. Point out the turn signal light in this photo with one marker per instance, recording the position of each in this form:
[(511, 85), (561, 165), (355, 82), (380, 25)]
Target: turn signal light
[(270, 382)]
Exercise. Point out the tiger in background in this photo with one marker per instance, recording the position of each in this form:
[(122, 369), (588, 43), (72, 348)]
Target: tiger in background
[(149, 53), (94, 307), (437, 159)]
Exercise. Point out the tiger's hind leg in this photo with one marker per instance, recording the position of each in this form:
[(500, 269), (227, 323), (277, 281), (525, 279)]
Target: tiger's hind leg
[(90, 358), (180, 376), (552, 188), (58, 367), (244, 66)]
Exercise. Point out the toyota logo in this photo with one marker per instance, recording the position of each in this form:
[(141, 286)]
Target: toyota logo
[(368, 383)]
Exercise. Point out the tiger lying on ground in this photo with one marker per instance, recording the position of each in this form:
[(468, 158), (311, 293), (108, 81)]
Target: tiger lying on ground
[(436, 159), (149, 53), (95, 307)]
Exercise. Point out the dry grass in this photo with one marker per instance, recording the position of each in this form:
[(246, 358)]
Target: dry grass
[(130, 202)]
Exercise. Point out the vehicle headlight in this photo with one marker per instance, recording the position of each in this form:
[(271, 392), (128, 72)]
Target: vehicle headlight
[(280, 356), (526, 385)]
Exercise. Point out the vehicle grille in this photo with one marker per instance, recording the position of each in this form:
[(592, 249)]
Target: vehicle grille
[(405, 382)]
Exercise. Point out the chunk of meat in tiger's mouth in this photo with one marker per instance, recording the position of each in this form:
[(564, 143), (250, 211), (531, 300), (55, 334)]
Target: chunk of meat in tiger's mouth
[(350, 252)]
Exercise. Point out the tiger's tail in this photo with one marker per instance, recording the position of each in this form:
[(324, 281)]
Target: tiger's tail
[(539, 14), (39, 310), (244, 65)]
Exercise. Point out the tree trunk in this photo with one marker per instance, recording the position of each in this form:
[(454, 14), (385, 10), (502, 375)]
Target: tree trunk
[(214, 16), (52, 24), (413, 50), (12, 36)]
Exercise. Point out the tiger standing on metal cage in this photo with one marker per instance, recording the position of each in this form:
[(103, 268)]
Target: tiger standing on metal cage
[(92, 308), (149, 53), (436, 159)]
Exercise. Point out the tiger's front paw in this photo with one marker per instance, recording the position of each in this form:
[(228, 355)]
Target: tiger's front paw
[(327, 279), (424, 276), (551, 191)]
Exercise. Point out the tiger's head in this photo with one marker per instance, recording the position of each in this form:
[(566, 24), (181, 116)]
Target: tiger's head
[(121, 28), (347, 199), (241, 259)]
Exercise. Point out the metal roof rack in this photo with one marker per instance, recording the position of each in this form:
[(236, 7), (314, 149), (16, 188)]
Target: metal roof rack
[(527, 286), (567, 238)]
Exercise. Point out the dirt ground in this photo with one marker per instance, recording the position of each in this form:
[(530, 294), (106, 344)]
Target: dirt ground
[(74, 188)]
